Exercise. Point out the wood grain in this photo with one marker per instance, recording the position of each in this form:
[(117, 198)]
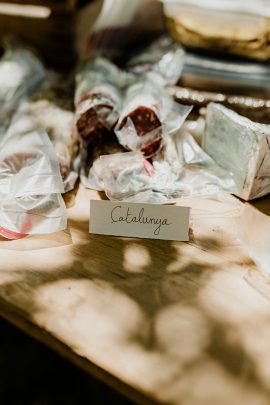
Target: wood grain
[(163, 322)]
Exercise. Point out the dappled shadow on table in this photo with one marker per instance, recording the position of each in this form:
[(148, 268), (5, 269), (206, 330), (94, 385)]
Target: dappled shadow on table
[(159, 315)]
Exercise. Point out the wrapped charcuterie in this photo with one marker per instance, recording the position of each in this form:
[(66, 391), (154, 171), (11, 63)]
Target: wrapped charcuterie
[(123, 175), (90, 173), (130, 177), (181, 169), (20, 74), (148, 112), (30, 181), (164, 57), (59, 125), (97, 99)]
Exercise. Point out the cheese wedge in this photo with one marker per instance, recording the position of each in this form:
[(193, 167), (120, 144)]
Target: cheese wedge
[(240, 146)]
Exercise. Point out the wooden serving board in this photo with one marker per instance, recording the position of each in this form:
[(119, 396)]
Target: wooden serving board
[(160, 321)]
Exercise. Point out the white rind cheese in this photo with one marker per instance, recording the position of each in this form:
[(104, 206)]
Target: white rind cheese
[(240, 146)]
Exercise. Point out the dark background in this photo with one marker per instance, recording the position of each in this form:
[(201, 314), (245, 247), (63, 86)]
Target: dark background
[(31, 374)]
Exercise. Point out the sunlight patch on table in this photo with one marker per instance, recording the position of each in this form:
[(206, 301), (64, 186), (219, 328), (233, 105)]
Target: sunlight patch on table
[(208, 383), (182, 331), (136, 258)]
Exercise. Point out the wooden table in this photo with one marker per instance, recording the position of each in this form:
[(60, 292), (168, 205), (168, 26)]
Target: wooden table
[(162, 322)]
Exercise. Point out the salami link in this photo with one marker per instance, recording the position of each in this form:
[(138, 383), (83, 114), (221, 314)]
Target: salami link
[(140, 123), (145, 122), (97, 99)]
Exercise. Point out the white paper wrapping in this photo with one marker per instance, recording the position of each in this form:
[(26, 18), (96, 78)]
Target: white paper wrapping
[(30, 181), (20, 73), (60, 126), (164, 57)]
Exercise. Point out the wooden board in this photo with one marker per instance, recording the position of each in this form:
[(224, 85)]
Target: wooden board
[(163, 322)]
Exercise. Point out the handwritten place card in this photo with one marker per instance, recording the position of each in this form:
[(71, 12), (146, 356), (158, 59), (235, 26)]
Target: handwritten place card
[(139, 220)]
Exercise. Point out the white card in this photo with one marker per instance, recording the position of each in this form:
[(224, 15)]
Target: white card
[(152, 221)]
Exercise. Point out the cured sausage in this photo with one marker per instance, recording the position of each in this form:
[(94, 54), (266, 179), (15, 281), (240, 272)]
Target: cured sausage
[(140, 124), (97, 99)]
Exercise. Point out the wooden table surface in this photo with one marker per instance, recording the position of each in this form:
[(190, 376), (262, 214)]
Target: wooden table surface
[(162, 322)]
